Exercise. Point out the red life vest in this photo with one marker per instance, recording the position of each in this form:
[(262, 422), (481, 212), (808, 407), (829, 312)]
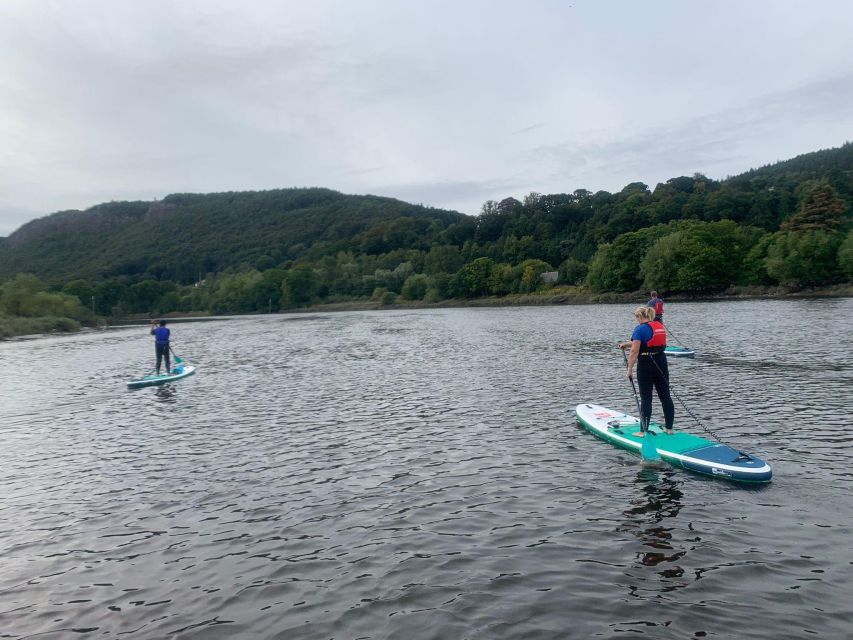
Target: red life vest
[(658, 307), (658, 340)]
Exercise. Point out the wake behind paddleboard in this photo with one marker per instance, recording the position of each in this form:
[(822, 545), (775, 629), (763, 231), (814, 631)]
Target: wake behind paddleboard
[(680, 449), (181, 371)]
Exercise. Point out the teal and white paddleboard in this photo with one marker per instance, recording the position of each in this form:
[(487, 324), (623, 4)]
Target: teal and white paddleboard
[(680, 449), (679, 352), (178, 372)]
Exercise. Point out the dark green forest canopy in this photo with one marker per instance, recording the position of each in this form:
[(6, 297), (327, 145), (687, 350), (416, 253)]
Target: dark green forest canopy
[(785, 224), (187, 234)]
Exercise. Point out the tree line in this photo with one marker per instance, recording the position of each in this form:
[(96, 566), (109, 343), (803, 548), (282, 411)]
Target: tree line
[(27, 307), (786, 225)]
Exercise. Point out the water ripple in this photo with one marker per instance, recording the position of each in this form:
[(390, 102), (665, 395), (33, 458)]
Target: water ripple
[(419, 475)]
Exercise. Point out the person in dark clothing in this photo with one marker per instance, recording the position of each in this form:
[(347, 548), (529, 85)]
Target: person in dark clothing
[(161, 344), (647, 344), (656, 303)]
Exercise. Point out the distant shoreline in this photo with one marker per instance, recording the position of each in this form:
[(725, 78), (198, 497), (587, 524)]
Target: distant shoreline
[(564, 296), (575, 297)]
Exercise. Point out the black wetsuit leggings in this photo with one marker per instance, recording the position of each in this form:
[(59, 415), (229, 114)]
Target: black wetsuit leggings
[(162, 353), (652, 371)]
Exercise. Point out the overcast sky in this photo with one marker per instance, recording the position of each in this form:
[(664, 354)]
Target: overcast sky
[(445, 103)]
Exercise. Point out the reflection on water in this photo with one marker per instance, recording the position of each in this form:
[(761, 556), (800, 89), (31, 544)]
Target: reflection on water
[(660, 501), (420, 475), (166, 392)]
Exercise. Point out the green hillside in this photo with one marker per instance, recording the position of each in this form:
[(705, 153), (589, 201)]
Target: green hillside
[(787, 224), (185, 235)]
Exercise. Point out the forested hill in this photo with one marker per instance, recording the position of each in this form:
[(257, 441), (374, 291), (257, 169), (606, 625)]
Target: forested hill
[(834, 163), (185, 235), (785, 224)]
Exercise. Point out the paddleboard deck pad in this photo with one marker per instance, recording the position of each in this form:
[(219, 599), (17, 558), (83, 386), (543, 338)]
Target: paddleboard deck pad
[(679, 352), (679, 449), (178, 372)]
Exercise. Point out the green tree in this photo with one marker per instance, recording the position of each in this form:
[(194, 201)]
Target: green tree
[(199, 298), (490, 222), (169, 302), (142, 297), (572, 271), (531, 275), (16, 293), (236, 292), (474, 277), (503, 279), (108, 294), (820, 208), (599, 277), (804, 258), (616, 266), (83, 289), (388, 298), (698, 257), (443, 259), (415, 287), (25, 296), (519, 249), (267, 290), (754, 270), (60, 305), (299, 286), (440, 287), (845, 256)]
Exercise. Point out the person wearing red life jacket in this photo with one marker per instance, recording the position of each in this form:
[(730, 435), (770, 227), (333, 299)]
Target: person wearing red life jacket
[(656, 303), (647, 344)]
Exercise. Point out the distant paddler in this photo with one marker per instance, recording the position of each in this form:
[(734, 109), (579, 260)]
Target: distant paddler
[(656, 303), (161, 344)]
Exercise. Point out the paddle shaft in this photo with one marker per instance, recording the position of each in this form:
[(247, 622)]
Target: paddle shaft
[(648, 450), (636, 396), (672, 334)]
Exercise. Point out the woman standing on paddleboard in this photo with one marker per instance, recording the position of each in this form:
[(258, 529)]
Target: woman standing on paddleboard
[(161, 344), (647, 343)]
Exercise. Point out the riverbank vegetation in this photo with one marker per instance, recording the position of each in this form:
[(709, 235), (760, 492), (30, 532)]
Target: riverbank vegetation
[(784, 228), (27, 307)]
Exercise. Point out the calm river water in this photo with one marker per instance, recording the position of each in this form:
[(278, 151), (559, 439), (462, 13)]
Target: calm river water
[(419, 474)]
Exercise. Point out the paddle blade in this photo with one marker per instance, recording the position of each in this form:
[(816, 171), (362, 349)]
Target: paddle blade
[(649, 450), (178, 359)]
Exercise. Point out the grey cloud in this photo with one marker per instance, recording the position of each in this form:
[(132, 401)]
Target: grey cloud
[(719, 144), (445, 103), (532, 127)]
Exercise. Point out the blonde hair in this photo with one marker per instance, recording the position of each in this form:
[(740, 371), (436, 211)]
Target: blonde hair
[(646, 313)]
